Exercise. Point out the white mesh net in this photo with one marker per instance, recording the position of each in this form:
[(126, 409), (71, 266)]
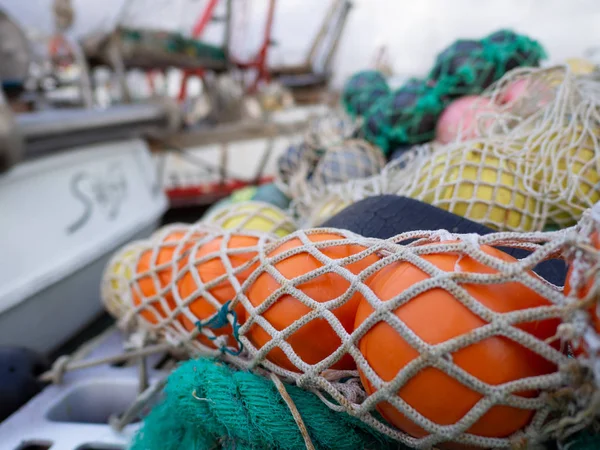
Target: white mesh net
[(352, 159), (451, 339), (534, 160), (297, 165), (429, 337)]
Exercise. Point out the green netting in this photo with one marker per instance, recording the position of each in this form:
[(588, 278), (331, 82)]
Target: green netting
[(406, 116), (464, 68), (209, 405), (585, 440), (363, 101), (469, 66), (359, 84), (511, 50), (172, 42)]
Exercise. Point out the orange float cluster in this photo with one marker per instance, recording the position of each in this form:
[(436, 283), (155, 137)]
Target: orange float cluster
[(305, 306)]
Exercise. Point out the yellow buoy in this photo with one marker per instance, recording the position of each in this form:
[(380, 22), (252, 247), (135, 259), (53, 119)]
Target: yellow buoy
[(117, 276), (253, 216), (472, 181), (327, 210), (569, 173), (580, 66)]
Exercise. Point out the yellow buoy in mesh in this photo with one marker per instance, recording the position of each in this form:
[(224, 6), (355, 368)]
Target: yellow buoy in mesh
[(472, 181), (253, 216), (120, 270), (327, 210), (568, 169), (580, 66)]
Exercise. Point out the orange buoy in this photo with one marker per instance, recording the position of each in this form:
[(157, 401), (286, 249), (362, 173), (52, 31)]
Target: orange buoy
[(316, 340), (157, 262), (200, 306), (436, 316)]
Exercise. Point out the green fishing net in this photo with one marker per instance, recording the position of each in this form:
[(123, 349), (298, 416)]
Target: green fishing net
[(469, 66), (510, 50), (464, 68), (209, 405), (406, 116), (361, 90), (363, 101), (171, 42)]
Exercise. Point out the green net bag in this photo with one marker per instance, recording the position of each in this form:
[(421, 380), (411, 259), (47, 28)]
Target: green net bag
[(363, 88), (406, 116), (511, 50), (464, 68), (363, 101), (469, 66)]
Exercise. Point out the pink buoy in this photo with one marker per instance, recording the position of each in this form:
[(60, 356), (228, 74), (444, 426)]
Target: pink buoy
[(458, 121), (525, 97), (513, 92)]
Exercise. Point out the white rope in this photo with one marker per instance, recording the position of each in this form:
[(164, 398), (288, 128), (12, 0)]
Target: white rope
[(533, 163)]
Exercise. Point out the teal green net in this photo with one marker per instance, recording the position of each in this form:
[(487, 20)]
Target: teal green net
[(171, 42), (585, 440), (361, 90), (363, 101), (464, 68), (510, 50), (209, 405), (470, 66), (406, 116)]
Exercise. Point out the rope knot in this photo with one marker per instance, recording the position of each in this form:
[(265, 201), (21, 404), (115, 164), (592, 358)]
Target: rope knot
[(59, 368)]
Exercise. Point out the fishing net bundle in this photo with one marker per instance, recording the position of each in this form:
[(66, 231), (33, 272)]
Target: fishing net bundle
[(244, 330), (409, 114), (362, 90), (533, 163), (513, 50), (470, 66), (296, 166), (330, 129), (405, 116)]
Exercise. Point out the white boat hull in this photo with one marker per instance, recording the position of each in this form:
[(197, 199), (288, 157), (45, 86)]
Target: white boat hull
[(61, 218)]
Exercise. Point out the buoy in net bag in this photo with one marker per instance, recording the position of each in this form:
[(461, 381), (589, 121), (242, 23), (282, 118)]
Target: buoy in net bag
[(252, 216), (206, 265), (316, 340), (327, 209), (385, 216), (116, 294), (571, 166), (436, 316), (155, 269), (352, 159), (464, 118), (472, 181)]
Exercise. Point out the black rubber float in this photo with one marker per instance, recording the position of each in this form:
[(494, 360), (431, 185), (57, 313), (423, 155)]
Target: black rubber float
[(385, 216)]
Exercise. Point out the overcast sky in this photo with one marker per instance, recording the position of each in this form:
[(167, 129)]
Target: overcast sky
[(414, 30)]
